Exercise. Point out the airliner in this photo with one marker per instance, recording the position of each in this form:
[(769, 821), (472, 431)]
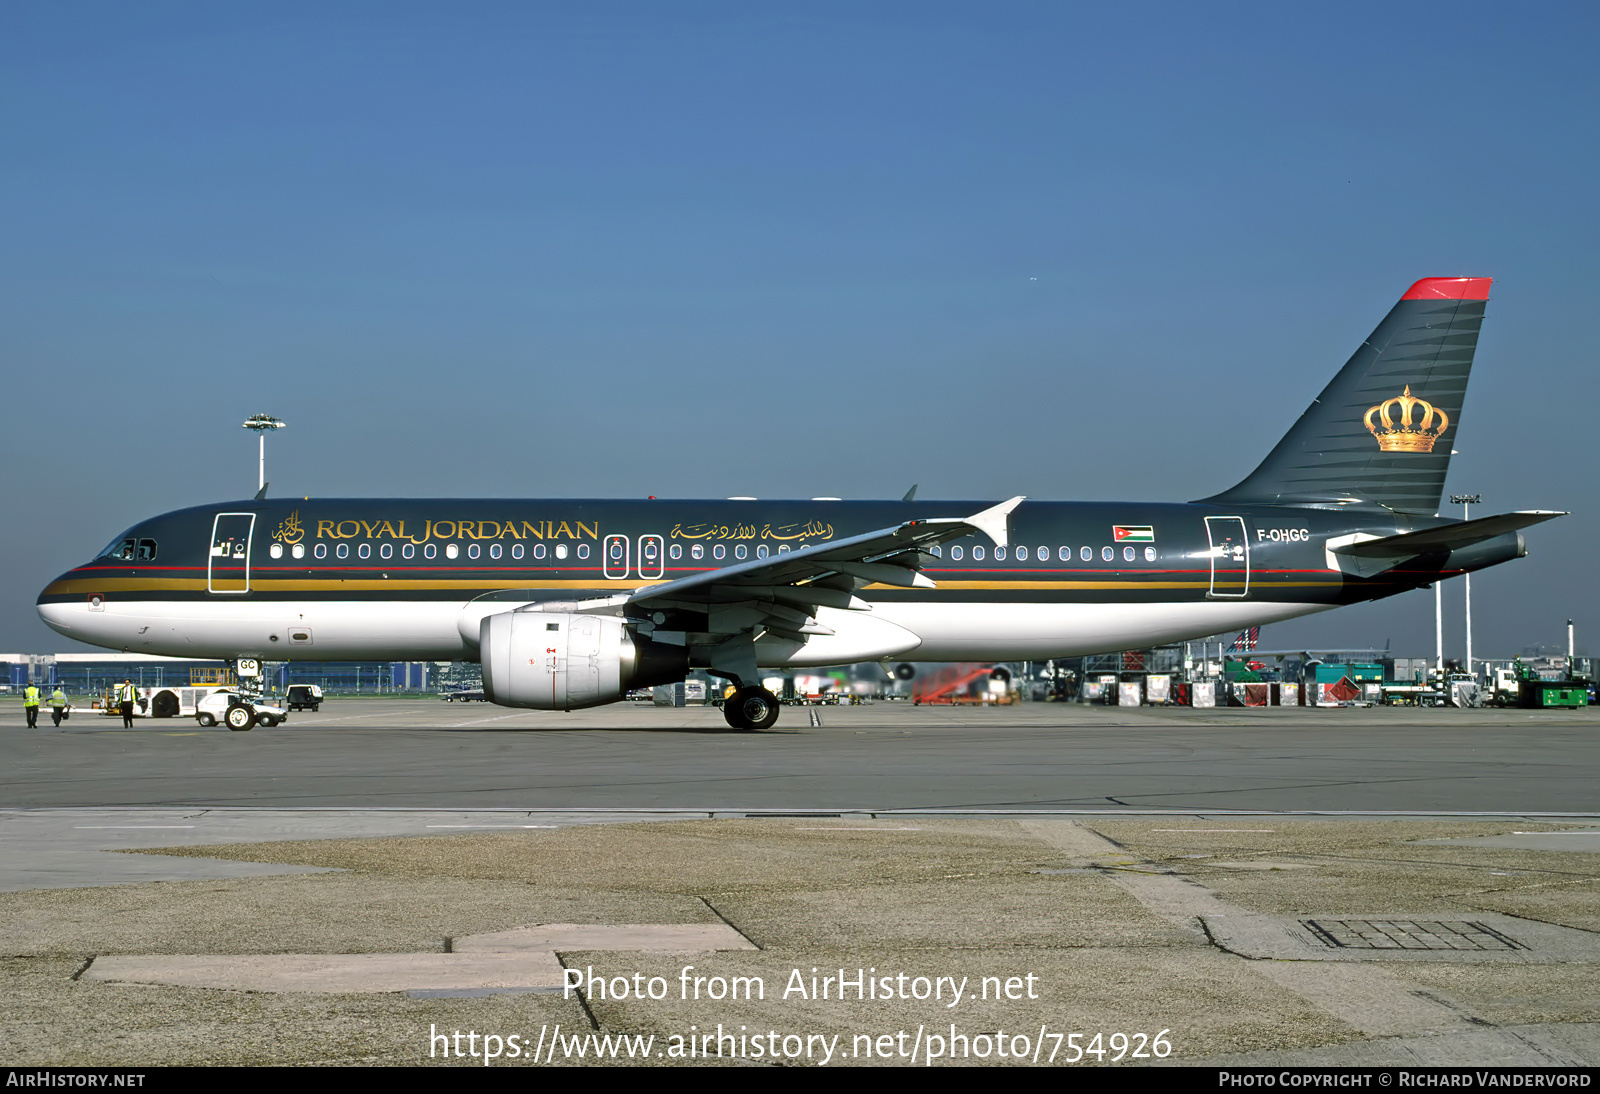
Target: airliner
[(572, 603)]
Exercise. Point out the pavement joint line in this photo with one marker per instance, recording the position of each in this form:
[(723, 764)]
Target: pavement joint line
[(481, 721), (697, 811), (331, 721)]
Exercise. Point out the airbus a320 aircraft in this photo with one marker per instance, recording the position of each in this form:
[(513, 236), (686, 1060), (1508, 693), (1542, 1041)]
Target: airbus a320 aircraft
[(570, 603)]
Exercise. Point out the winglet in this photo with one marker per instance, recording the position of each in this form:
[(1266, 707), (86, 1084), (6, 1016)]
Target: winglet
[(992, 521)]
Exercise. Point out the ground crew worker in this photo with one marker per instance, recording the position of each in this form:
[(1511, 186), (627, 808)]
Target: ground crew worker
[(127, 695), (58, 705), (30, 705)]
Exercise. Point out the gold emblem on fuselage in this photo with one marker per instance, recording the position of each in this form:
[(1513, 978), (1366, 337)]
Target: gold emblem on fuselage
[(1414, 430)]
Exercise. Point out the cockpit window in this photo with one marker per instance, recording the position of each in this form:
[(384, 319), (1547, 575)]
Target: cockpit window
[(120, 548), (129, 548)]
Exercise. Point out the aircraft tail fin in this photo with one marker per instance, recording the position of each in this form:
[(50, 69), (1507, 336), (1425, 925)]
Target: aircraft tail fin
[(1380, 434)]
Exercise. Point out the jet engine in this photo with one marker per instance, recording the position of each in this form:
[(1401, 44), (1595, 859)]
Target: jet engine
[(564, 661)]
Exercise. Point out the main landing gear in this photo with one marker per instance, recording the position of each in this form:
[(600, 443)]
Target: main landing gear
[(751, 708)]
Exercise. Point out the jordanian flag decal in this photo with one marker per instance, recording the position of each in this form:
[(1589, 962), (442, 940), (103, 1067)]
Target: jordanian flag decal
[(1127, 533)]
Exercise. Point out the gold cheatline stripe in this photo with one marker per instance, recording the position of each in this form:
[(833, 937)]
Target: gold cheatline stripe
[(277, 584), (1122, 585), (196, 584)]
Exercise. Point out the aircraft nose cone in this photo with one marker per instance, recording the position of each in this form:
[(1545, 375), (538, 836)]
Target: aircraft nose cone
[(60, 608), (57, 616)]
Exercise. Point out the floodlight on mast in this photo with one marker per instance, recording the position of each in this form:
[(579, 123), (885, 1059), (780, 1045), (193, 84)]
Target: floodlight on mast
[(261, 423)]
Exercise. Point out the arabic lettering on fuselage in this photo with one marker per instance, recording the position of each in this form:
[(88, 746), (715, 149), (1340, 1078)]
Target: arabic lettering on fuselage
[(291, 531), (451, 529), (812, 529)]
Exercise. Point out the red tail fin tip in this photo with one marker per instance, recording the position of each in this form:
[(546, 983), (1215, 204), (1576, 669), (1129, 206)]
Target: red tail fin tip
[(1450, 288)]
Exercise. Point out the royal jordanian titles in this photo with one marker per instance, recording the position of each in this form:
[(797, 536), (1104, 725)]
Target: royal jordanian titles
[(570, 603)]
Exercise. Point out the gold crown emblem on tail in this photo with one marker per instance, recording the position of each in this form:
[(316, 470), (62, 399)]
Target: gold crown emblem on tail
[(1414, 431)]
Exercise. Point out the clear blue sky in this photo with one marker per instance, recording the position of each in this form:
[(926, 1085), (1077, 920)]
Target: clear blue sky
[(1071, 251)]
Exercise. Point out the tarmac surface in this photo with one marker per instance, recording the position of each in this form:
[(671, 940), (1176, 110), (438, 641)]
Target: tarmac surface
[(1011, 886), (428, 754)]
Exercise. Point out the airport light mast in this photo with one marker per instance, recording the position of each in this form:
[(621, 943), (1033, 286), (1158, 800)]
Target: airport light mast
[(261, 423), (1466, 501)]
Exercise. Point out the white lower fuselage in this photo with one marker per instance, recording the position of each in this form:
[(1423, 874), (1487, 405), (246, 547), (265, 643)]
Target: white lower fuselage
[(439, 630)]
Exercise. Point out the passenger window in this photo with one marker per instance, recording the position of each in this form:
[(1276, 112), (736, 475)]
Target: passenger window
[(365, 550), (999, 554), (675, 552), (561, 550), (322, 550), (956, 553), (429, 551), (740, 551), (343, 550), (977, 554), (1107, 554), (516, 550), (473, 550), (616, 550), (538, 550), (761, 551), (298, 550), (936, 551), (386, 551), (494, 550), (697, 551), (1149, 554), (451, 550), (718, 551), (783, 548), (1044, 554), (1087, 554), (1127, 554), (276, 550), (408, 551), (583, 550), (1064, 554)]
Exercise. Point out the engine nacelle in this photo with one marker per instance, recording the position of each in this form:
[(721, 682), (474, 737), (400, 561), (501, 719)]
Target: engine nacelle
[(564, 661)]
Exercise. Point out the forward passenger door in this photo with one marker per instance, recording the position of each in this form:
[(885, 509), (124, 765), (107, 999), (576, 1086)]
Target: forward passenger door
[(228, 562)]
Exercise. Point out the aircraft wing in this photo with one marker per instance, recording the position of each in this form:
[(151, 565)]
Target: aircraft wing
[(825, 574), (1447, 537)]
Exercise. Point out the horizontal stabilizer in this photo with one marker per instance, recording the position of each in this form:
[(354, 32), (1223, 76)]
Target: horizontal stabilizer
[(1448, 537)]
